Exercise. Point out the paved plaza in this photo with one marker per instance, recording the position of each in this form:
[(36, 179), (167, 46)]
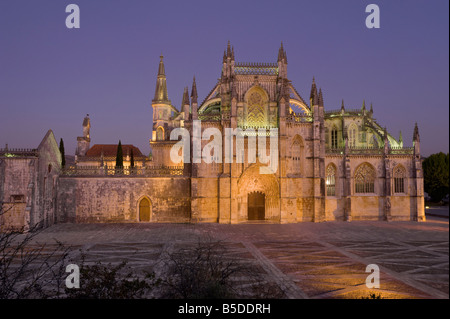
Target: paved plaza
[(306, 260)]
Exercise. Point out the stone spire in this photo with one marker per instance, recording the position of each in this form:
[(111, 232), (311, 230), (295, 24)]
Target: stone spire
[(228, 50), (416, 141), (416, 136), (342, 106), (194, 95), (185, 104), (371, 108), (320, 97), (161, 95), (363, 106), (232, 53), (185, 97), (281, 53), (313, 96)]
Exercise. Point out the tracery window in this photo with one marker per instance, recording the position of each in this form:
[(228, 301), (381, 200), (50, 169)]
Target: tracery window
[(399, 179), (256, 115), (365, 179), (331, 180)]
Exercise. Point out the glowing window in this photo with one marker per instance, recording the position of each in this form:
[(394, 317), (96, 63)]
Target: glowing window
[(331, 180), (160, 134), (334, 140)]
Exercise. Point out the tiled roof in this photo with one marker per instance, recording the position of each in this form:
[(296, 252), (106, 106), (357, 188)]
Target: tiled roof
[(111, 150)]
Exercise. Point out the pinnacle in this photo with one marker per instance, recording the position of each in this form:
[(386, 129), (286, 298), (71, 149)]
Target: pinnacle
[(185, 97), (320, 97), (194, 95), (313, 89)]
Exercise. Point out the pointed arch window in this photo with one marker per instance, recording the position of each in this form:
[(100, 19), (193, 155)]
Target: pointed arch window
[(256, 108), (160, 134), (365, 179), (331, 180), (334, 137), (399, 179)]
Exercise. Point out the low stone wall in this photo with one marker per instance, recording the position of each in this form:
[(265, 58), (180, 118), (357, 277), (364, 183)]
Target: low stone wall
[(116, 199)]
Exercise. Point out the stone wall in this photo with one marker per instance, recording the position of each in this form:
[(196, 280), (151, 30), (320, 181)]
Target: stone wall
[(116, 199)]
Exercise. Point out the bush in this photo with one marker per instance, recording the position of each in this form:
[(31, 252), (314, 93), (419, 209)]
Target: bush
[(206, 272), (111, 282)]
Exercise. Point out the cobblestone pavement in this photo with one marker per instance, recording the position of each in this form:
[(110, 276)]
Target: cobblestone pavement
[(307, 260)]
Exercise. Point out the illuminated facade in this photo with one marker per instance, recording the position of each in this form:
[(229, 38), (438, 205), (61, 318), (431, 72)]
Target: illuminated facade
[(332, 164)]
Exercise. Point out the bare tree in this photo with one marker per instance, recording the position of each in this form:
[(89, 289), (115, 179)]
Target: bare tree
[(27, 269), (208, 271)]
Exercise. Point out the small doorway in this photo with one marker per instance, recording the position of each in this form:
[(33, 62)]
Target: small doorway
[(144, 210), (256, 206)]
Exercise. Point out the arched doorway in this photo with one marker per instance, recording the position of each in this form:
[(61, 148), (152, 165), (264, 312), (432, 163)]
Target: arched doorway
[(251, 206), (256, 206), (144, 210)]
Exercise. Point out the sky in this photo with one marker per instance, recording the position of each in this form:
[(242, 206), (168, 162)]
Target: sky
[(52, 76)]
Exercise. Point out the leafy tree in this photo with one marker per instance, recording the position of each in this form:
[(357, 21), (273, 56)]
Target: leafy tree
[(63, 155), (119, 156), (435, 173)]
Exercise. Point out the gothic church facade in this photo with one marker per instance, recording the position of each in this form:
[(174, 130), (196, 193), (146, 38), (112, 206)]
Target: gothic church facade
[(332, 165)]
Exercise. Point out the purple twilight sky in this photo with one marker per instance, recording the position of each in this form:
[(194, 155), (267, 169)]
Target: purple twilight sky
[(52, 76)]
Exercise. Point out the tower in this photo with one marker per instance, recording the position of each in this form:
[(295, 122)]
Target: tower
[(162, 107)]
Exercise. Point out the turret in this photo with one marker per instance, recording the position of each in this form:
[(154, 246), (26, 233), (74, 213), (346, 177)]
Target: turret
[(161, 103), (162, 107)]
